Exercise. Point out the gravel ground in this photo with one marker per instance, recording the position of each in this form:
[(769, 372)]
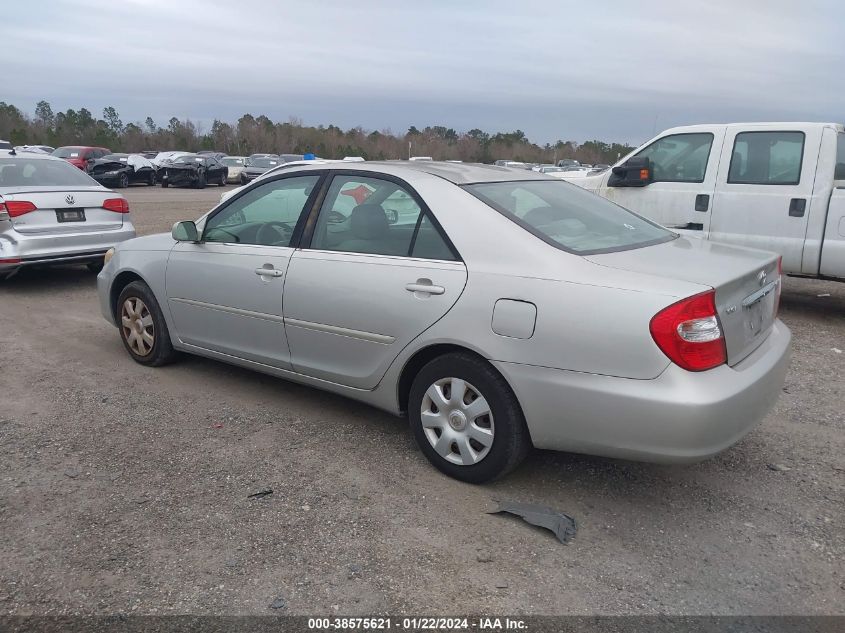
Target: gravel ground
[(125, 489)]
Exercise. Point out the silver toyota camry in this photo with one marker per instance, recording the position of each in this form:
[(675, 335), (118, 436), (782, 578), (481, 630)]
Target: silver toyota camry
[(499, 309), (52, 213)]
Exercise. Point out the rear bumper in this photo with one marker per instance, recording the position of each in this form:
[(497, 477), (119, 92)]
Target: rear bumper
[(18, 250), (679, 416)]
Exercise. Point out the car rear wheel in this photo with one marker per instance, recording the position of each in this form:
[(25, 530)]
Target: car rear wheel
[(123, 180), (143, 329), (151, 180), (200, 183), (466, 419), (222, 181)]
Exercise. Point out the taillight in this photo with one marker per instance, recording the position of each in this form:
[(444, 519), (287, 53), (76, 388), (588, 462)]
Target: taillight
[(118, 205), (690, 334), (780, 285), (16, 208)]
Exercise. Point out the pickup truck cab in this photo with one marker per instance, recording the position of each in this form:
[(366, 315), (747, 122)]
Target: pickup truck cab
[(774, 186)]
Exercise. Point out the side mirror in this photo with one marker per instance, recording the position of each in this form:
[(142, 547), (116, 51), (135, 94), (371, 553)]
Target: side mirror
[(185, 232), (634, 172)]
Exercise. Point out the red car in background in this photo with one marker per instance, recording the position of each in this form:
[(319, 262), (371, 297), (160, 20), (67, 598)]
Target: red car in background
[(81, 156)]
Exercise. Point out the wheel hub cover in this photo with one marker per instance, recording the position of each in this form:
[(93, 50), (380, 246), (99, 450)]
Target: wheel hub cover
[(457, 420)]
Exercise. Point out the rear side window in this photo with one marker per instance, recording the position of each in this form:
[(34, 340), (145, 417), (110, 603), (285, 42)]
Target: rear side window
[(569, 217), (767, 158), (44, 172), (839, 171), (679, 157)]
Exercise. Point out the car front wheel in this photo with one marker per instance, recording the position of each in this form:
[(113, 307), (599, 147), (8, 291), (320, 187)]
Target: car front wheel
[(142, 327), (466, 419)]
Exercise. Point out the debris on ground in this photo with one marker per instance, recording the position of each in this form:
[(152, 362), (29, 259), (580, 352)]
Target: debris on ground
[(260, 494), (561, 525), (216, 426), (278, 603), (484, 557), (836, 350), (781, 468)]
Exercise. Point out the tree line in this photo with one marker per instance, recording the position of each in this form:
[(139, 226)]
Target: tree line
[(251, 134)]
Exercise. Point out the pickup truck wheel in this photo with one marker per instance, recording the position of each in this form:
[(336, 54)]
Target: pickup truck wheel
[(143, 329), (466, 420)]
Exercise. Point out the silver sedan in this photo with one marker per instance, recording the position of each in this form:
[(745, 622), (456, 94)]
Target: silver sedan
[(53, 213), (498, 309)]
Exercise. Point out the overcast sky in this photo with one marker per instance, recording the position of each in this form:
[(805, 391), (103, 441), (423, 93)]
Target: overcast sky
[(554, 69)]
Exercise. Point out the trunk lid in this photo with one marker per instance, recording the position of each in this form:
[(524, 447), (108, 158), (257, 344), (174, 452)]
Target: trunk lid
[(746, 282), (49, 201)]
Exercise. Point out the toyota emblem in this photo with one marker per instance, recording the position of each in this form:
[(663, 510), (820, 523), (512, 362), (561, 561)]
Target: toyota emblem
[(761, 277), (69, 199)]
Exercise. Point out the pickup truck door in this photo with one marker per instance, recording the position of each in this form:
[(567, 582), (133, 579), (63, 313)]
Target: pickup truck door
[(764, 189), (684, 168)]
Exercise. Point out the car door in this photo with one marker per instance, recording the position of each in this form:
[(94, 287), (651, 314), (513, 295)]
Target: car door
[(764, 189), (377, 272), (683, 177), (225, 292)]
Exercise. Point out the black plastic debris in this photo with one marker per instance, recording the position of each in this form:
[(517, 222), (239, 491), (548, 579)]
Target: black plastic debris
[(279, 603), (260, 493), (561, 525)]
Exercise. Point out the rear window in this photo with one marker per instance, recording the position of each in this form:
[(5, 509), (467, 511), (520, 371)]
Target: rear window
[(264, 162), (44, 172), (232, 162), (569, 217), (68, 152)]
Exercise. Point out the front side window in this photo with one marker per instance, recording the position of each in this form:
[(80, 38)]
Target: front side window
[(265, 215), (767, 158), (569, 217), (376, 217), (679, 157)]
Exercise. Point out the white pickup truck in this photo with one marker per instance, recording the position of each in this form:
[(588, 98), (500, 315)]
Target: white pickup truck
[(774, 186)]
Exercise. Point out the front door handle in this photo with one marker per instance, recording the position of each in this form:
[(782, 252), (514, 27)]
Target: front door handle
[(268, 272), (797, 206), (424, 286)]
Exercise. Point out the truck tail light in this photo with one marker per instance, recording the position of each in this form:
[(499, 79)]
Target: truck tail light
[(118, 205), (17, 208), (690, 334)]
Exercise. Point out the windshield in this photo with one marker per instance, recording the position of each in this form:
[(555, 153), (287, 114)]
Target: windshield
[(263, 162), (232, 162), (22, 172), (114, 158), (68, 152), (569, 217), (188, 159)]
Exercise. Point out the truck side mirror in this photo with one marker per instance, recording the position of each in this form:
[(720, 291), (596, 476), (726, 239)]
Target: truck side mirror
[(634, 172)]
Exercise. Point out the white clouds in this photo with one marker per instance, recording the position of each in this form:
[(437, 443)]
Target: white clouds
[(610, 66)]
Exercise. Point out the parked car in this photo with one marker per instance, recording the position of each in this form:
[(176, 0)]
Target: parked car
[(162, 159), (549, 169), (51, 213), (255, 166), (252, 156), (5, 144), (38, 149), (777, 186), (421, 158), (568, 162), (122, 170), (217, 155), (80, 156), (235, 165), (583, 327), (193, 170)]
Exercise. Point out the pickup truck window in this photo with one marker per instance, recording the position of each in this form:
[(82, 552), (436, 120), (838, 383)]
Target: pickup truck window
[(839, 170), (767, 158), (679, 157)]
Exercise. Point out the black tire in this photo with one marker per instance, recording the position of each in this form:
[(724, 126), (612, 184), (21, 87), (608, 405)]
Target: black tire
[(95, 266), (164, 184), (223, 176), (123, 180), (201, 182), (511, 441), (243, 179), (161, 351), (151, 180)]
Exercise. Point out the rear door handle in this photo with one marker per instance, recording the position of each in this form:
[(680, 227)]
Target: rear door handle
[(702, 202), (425, 288), (797, 206), (268, 272)]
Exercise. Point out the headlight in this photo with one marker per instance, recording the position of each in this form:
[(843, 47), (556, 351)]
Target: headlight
[(109, 254), (111, 173)]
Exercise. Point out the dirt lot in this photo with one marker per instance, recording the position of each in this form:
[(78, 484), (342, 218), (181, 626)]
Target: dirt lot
[(120, 491)]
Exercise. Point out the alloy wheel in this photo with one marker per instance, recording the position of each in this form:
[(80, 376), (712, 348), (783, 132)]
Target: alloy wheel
[(137, 325)]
